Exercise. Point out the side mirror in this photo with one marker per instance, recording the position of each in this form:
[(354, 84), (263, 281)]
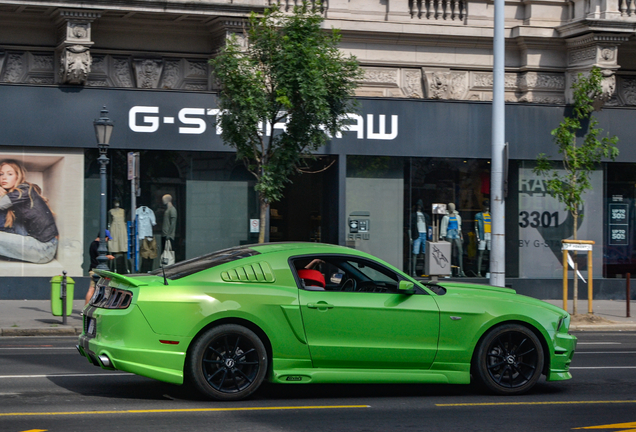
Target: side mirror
[(406, 287)]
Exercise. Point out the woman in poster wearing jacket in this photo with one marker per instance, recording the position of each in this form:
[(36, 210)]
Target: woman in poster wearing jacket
[(29, 232)]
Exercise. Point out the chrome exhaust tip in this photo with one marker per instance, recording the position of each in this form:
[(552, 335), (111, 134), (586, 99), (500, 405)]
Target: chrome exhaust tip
[(105, 360)]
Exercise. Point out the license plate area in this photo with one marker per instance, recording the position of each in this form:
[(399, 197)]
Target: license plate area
[(90, 330)]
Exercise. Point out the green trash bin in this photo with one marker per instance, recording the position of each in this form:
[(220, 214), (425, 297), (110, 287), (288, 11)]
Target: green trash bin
[(56, 300)]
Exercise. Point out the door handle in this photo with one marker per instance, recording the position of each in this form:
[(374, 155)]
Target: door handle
[(321, 305)]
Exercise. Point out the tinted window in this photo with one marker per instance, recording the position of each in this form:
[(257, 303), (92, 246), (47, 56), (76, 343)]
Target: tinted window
[(195, 265)]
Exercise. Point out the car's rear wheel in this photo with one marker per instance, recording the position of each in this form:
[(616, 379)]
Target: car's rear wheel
[(509, 359), (228, 362)]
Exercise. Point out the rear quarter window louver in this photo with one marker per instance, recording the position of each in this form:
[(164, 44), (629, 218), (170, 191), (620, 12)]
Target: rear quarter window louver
[(257, 272)]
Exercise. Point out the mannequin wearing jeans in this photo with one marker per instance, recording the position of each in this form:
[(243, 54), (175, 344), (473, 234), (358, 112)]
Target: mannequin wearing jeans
[(483, 232), (420, 222), (451, 231)]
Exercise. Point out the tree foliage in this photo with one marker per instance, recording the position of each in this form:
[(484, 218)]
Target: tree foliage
[(290, 72), (580, 157)]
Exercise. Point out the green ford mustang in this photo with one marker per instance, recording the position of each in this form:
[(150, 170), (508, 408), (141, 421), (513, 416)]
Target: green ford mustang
[(299, 313)]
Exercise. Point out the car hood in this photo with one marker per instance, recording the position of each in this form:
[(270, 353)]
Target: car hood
[(470, 289)]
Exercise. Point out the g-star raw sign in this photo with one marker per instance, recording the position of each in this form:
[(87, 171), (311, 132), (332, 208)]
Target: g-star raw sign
[(195, 121)]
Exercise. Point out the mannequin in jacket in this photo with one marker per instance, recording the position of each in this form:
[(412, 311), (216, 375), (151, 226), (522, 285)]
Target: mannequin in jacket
[(483, 233), (451, 231)]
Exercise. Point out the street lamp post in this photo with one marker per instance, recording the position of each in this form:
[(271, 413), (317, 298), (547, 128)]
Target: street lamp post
[(103, 130)]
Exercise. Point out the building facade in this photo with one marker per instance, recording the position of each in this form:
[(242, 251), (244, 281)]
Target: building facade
[(422, 133)]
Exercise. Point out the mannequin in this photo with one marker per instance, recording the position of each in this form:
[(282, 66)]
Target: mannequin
[(483, 231), (169, 227), (420, 222), (118, 245), (451, 231), (147, 243)]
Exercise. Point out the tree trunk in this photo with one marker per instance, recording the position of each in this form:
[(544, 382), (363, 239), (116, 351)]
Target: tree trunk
[(263, 235), (575, 286)]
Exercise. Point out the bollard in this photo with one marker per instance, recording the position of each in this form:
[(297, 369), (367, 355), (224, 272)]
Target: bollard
[(627, 295), (63, 297)]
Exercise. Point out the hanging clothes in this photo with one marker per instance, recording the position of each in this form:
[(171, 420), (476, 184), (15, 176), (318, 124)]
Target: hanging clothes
[(146, 220)]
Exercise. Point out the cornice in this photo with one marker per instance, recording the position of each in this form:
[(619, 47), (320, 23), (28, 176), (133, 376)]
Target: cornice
[(596, 25), (592, 38), (176, 7)]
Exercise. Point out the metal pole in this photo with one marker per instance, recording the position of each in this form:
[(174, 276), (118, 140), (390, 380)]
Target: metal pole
[(102, 250), (590, 279), (628, 296), (63, 296), (498, 208), (565, 280)]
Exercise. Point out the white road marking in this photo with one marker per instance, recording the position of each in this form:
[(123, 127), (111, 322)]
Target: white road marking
[(599, 343), (65, 375), (604, 367), (39, 348)]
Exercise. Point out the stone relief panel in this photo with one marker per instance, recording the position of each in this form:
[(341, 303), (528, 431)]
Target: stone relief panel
[(147, 72), (15, 68), (27, 68), (582, 56), (412, 83), (541, 81), (121, 73), (380, 77), (625, 92), (459, 85), (158, 73), (41, 69)]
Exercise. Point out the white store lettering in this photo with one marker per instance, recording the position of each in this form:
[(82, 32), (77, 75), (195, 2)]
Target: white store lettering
[(192, 121)]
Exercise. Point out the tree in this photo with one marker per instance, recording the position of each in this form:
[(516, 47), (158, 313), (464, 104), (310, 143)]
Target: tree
[(580, 157), (290, 72)]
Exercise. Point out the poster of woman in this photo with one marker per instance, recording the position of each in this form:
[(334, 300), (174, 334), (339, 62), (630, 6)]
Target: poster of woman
[(41, 213), (29, 232)]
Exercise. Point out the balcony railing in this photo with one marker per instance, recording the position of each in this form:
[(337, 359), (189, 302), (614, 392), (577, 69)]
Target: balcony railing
[(440, 9), (627, 7)]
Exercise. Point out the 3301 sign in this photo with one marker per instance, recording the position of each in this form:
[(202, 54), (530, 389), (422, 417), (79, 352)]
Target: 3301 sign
[(537, 219)]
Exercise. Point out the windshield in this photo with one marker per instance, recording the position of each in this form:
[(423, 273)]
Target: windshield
[(195, 265)]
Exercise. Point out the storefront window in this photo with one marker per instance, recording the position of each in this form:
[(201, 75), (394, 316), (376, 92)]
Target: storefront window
[(462, 183), (544, 222), (620, 256)]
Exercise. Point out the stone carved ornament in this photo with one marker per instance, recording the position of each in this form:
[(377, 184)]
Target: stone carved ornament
[(628, 90), (14, 69), (412, 84), (75, 64), (437, 85), (147, 73)]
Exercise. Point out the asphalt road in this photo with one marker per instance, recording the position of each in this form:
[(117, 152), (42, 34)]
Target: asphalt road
[(46, 386)]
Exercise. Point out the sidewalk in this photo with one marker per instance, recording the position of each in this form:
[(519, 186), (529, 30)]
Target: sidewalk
[(34, 318)]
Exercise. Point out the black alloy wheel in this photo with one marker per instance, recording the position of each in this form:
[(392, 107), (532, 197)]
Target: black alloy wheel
[(509, 359), (227, 362)]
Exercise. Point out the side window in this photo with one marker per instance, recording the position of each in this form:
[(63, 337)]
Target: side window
[(345, 274)]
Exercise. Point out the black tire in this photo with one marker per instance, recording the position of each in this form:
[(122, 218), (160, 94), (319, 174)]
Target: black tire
[(509, 360), (228, 362)]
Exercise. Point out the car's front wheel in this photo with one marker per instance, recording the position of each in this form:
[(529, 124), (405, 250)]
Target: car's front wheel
[(228, 362), (509, 359)]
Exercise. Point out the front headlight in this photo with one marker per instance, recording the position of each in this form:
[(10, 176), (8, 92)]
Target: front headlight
[(563, 324)]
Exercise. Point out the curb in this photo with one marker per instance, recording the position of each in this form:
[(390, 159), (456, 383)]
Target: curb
[(603, 327), (54, 331)]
